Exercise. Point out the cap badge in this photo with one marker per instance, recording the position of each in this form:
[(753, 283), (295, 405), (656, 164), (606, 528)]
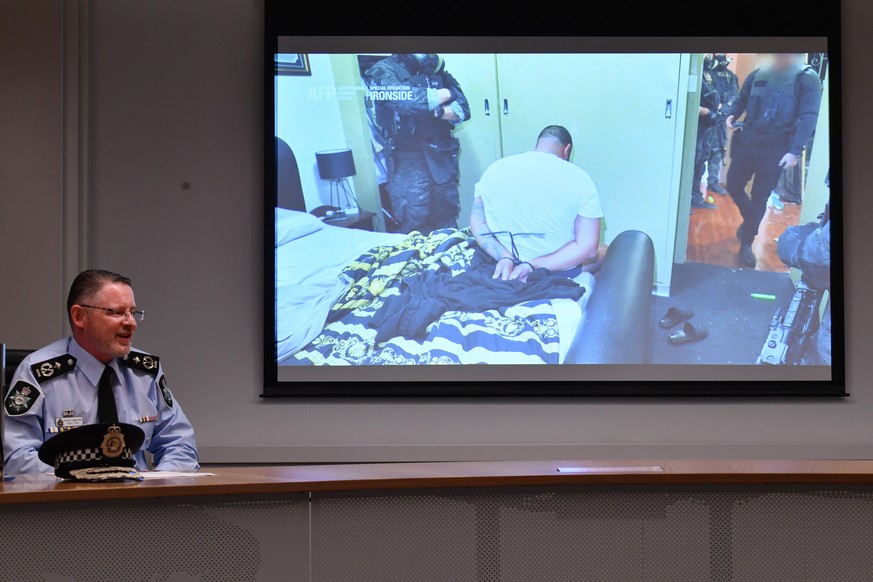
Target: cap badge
[(113, 442)]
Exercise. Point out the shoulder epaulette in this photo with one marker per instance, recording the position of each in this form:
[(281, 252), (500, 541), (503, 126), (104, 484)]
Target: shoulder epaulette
[(53, 367), (141, 361)]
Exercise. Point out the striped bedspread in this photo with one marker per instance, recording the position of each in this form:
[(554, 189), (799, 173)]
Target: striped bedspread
[(523, 334)]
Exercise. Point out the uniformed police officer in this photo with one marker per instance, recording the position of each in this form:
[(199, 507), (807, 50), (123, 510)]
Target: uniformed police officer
[(781, 101), (727, 85), (707, 133), (418, 104), (94, 376)]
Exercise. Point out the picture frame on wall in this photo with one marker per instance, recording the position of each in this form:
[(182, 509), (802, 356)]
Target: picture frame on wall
[(292, 64)]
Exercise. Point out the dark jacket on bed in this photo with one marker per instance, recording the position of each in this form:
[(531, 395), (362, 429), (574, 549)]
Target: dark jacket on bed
[(425, 297)]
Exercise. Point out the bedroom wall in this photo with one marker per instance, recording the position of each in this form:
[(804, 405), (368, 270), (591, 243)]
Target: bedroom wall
[(176, 163), (311, 127), (346, 73), (816, 193)]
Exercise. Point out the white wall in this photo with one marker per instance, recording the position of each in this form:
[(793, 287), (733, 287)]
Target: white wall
[(177, 99), (312, 125)]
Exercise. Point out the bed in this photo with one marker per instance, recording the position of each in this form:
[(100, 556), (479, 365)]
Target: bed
[(330, 281)]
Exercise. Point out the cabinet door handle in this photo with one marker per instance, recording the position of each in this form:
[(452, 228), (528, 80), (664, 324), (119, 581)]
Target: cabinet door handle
[(487, 108), (668, 111), (506, 107)]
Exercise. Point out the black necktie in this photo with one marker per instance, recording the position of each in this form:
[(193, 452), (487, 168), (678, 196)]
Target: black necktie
[(106, 410)]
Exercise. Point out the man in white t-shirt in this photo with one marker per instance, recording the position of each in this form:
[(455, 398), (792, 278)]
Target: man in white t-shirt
[(537, 210)]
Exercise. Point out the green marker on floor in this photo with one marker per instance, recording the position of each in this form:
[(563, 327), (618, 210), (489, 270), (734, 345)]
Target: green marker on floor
[(763, 296)]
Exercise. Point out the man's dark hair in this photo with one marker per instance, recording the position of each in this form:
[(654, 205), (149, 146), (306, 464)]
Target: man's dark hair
[(88, 283), (557, 132)]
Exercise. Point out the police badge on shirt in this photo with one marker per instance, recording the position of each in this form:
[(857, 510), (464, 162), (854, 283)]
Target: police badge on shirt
[(165, 391), (21, 398)]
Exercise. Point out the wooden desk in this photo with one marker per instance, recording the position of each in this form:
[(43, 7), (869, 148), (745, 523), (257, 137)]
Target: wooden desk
[(694, 520), (259, 480)]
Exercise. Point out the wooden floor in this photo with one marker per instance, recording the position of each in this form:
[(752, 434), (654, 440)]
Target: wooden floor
[(712, 234)]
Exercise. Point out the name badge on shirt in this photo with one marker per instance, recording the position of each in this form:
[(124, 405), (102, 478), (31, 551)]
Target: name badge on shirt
[(69, 422)]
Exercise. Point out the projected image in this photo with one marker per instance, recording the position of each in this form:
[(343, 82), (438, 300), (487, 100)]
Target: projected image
[(526, 208)]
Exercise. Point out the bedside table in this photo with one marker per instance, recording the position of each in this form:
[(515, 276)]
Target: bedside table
[(363, 220)]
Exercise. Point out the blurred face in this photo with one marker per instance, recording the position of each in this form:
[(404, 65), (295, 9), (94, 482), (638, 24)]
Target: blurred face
[(784, 61), (105, 335)]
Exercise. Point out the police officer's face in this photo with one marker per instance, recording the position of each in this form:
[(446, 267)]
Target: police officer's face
[(107, 335)]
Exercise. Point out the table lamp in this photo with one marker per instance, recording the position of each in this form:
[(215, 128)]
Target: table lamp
[(337, 166)]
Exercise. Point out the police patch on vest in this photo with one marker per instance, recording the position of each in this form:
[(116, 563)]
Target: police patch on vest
[(53, 367), (141, 361), (165, 391), (21, 398)]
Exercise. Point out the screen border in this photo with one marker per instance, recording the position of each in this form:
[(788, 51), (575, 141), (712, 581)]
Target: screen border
[(280, 20)]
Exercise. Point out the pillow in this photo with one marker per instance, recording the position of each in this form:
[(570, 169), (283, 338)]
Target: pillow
[(292, 224)]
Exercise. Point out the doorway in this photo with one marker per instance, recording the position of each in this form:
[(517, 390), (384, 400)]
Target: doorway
[(712, 231)]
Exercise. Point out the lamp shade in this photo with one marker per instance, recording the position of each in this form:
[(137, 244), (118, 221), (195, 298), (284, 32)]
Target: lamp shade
[(335, 164)]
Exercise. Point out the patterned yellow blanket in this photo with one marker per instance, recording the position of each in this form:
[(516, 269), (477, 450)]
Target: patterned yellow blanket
[(522, 334)]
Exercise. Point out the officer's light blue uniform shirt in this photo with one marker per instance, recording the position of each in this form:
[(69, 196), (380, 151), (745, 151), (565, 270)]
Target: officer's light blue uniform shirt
[(55, 388)]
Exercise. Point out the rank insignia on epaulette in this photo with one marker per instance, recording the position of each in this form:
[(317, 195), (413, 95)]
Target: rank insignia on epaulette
[(21, 398), (141, 361), (53, 367)]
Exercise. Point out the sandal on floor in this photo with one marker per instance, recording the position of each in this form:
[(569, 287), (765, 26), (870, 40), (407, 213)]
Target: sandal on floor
[(675, 316), (689, 334)]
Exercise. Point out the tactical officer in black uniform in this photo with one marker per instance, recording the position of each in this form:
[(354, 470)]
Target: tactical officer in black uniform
[(781, 102), (727, 85), (707, 133), (418, 104), (808, 248)]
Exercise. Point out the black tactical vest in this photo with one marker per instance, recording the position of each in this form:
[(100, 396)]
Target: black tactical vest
[(410, 130), (773, 102)]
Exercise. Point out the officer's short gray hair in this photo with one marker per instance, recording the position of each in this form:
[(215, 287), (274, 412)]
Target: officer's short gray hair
[(88, 283), (558, 133)]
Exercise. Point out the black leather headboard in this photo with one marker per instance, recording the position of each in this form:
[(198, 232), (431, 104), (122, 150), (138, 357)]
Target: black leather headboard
[(289, 190)]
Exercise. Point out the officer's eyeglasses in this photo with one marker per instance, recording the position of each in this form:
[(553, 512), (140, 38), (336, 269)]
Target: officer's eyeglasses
[(138, 315)]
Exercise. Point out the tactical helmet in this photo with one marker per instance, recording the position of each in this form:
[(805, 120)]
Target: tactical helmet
[(429, 63), (723, 60), (709, 62)]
